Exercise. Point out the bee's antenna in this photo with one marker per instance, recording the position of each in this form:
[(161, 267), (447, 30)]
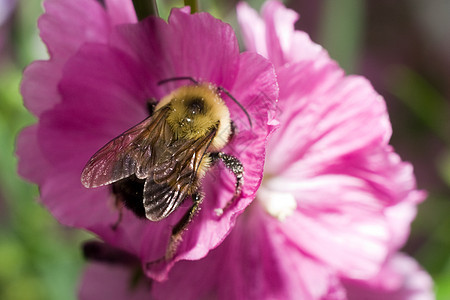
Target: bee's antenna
[(176, 79), (237, 102)]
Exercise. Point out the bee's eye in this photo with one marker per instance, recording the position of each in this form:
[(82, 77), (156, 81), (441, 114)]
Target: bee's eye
[(196, 106)]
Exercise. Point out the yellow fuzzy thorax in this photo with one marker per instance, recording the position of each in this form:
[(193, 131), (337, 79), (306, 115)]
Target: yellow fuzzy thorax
[(194, 111)]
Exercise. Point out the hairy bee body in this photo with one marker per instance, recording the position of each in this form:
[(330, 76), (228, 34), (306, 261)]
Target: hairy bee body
[(194, 110), (154, 166)]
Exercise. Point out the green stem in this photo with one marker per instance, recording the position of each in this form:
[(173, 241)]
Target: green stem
[(145, 8), (193, 4)]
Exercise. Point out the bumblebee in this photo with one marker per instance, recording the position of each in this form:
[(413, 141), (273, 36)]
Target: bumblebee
[(154, 166)]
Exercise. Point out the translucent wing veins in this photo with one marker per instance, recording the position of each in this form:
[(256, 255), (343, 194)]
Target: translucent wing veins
[(124, 155)]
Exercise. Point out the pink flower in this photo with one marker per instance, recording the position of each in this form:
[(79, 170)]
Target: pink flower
[(341, 171), (336, 201), (103, 69)]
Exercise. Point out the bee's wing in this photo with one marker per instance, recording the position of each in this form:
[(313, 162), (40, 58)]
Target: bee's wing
[(124, 155), (175, 177)]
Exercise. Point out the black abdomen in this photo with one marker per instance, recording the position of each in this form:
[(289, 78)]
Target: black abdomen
[(130, 191)]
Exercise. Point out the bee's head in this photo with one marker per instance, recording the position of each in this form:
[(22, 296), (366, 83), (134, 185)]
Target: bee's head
[(195, 106), (195, 110)]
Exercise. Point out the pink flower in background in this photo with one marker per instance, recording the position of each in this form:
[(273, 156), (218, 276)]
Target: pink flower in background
[(6, 8), (335, 203), (354, 197), (103, 69)]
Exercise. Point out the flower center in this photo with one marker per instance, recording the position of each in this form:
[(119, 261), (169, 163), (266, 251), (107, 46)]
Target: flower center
[(278, 204)]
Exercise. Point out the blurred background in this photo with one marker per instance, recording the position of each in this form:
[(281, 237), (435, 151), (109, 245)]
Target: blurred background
[(402, 47)]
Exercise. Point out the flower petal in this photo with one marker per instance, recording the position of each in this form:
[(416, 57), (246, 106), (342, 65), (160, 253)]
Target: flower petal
[(328, 115), (168, 50), (401, 278), (360, 208), (352, 244), (274, 36), (253, 29), (65, 26), (31, 164), (93, 111), (39, 86), (113, 282), (254, 262), (120, 11), (191, 280)]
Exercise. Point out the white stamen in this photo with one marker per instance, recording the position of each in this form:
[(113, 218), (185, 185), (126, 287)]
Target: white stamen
[(278, 204)]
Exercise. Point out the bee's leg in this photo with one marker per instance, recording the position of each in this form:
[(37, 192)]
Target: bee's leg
[(177, 231), (234, 165)]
